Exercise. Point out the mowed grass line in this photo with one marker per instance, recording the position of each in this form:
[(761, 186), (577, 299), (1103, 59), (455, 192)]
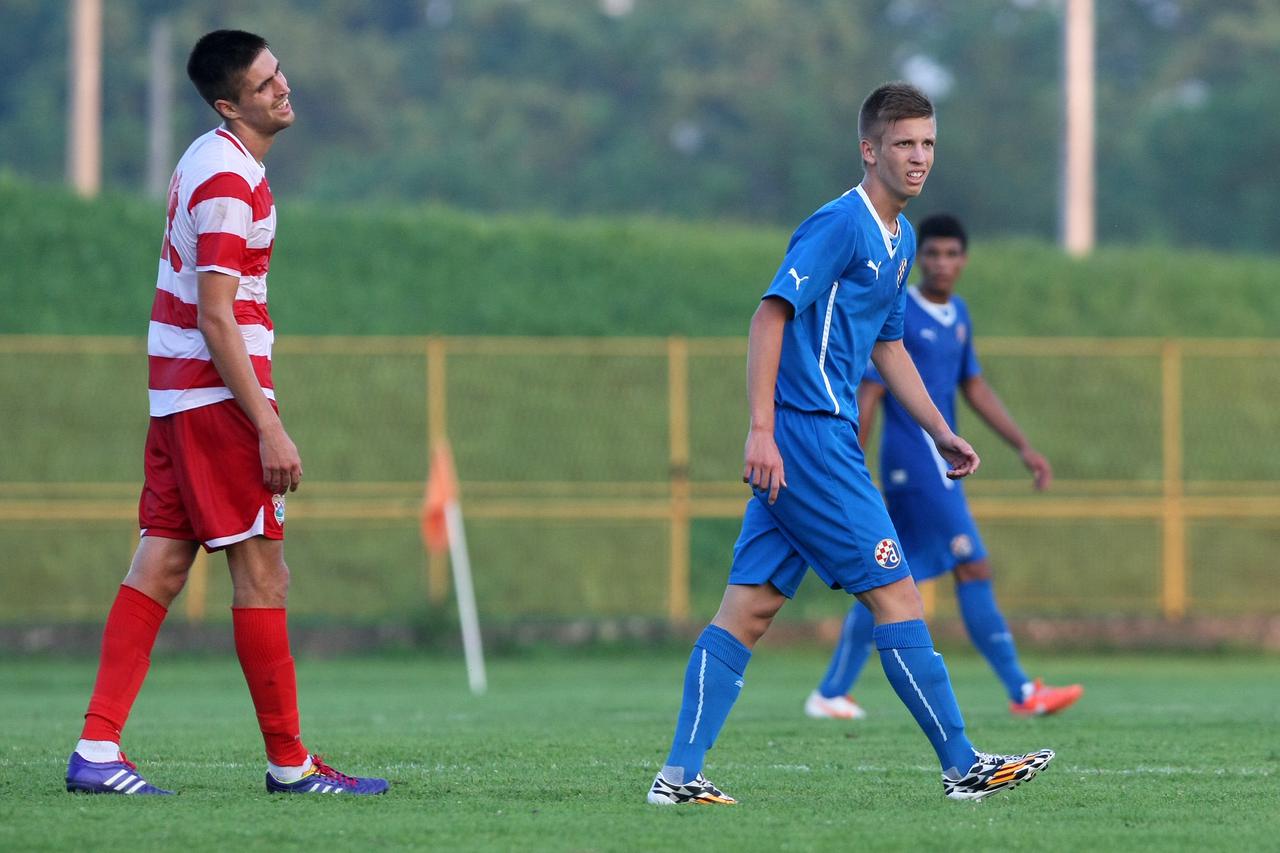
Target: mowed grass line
[(1163, 754)]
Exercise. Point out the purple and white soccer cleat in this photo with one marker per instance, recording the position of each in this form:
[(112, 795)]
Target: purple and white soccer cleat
[(107, 777), (323, 779)]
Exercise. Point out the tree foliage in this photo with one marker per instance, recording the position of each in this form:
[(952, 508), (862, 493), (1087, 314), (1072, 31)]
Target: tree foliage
[(738, 109)]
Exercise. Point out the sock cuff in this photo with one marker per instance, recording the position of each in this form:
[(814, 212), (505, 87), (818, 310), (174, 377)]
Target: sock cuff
[(139, 598), (903, 635), (725, 647)]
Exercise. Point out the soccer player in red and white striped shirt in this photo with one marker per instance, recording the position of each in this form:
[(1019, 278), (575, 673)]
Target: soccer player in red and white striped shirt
[(218, 461)]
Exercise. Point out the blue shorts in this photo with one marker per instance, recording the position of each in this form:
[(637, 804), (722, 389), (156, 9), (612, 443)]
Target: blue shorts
[(829, 517), (936, 527)]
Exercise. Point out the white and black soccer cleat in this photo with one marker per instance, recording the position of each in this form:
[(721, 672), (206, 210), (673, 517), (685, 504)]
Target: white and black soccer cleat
[(991, 774), (699, 791)]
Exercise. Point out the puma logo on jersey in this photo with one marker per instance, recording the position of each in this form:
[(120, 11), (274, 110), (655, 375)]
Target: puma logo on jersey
[(799, 281), (875, 267)]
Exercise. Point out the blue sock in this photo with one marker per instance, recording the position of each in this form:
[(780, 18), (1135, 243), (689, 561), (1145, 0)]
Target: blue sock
[(920, 678), (988, 631), (851, 652), (711, 686)]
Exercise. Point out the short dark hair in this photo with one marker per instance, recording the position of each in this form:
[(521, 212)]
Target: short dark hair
[(942, 225), (218, 63), (889, 103)]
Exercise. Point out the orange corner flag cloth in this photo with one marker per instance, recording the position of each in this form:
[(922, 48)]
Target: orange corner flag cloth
[(442, 489)]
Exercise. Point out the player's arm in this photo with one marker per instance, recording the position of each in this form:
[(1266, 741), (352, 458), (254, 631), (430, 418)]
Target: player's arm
[(903, 381), (869, 396), (762, 463), (216, 294), (984, 400)]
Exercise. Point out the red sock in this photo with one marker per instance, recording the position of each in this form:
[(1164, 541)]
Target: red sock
[(262, 644), (132, 625)]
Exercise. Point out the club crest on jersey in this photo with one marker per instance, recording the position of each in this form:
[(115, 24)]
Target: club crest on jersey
[(961, 547), (277, 501), (902, 271), (887, 554)]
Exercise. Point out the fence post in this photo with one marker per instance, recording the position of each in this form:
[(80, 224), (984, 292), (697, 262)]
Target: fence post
[(678, 429), (1173, 598), (437, 431)]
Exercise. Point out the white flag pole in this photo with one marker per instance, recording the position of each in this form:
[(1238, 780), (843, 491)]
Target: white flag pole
[(467, 615)]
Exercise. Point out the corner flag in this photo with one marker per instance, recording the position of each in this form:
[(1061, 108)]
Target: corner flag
[(442, 529)]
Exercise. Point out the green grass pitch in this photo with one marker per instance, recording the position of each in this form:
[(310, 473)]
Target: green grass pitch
[(1163, 753)]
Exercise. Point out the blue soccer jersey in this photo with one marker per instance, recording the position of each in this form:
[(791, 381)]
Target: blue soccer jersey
[(928, 509), (843, 274)]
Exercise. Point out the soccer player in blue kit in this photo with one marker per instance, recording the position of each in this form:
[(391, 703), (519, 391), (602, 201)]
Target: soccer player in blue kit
[(837, 300), (928, 509)]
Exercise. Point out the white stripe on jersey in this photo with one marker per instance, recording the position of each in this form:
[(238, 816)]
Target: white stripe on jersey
[(822, 355), (174, 342)]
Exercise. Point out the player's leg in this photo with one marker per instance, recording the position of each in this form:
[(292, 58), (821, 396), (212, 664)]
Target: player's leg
[(156, 576), (987, 627), (260, 580), (917, 672), (231, 509), (712, 681), (920, 679), (766, 571), (831, 699), (990, 634)]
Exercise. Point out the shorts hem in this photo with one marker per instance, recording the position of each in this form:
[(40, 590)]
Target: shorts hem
[(882, 580)]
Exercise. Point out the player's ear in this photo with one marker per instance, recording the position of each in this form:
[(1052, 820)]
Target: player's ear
[(868, 151), (226, 109)]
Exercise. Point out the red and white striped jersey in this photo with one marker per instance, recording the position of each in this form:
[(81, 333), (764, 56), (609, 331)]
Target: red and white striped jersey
[(221, 218)]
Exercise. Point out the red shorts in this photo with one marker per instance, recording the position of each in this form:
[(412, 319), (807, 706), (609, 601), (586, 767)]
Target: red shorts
[(204, 479)]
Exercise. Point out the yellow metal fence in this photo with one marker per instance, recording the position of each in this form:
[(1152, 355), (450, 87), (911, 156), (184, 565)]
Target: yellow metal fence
[(646, 432)]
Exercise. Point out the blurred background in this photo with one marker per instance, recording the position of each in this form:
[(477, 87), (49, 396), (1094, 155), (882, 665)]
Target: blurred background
[(538, 228)]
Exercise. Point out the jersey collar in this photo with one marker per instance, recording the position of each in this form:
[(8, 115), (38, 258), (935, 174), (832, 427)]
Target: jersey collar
[(944, 314), (890, 242)]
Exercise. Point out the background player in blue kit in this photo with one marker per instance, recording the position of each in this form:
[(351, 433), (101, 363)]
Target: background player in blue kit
[(928, 508), (837, 300)]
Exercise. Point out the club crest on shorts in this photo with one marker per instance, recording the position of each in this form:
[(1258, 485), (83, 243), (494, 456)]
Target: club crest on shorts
[(277, 501), (961, 546), (888, 556)]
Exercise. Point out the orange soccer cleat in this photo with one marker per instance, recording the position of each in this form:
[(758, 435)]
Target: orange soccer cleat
[(1041, 699)]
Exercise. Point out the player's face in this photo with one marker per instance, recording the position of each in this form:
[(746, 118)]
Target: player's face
[(263, 103), (904, 155), (941, 261)]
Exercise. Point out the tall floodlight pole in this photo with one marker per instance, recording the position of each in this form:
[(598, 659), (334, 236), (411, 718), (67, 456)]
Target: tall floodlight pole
[(84, 121), (1078, 195), (160, 108)]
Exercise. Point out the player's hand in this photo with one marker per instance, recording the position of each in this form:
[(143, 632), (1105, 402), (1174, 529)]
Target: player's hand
[(962, 458), (1041, 471), (281, 464), (762, 466)]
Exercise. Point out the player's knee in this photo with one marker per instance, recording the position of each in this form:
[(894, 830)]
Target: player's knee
[(897, 602), (978, 570)]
